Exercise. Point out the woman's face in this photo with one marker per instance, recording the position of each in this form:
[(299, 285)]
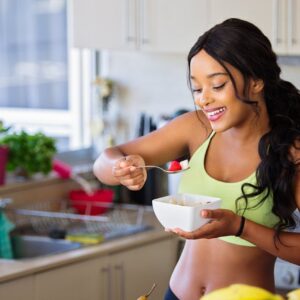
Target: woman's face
[(215, 95)]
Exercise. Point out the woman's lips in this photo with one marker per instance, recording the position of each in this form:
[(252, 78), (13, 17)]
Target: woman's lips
[(215, 114)]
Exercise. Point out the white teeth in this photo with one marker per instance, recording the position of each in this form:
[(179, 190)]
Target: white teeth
[(217, 111)]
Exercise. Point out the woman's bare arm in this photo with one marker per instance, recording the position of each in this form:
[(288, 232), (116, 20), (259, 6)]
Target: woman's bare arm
[(170, 142), (289, 249)]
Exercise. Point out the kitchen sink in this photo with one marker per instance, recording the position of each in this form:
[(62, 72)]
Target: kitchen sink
[(30, 246), (26, 246), (42, 232)]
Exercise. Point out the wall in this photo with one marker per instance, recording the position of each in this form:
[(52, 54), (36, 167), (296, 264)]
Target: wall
[(152, 83), (157, 83), (291, 71)]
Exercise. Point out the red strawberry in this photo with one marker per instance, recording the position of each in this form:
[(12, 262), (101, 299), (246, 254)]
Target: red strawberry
[(174, 166)]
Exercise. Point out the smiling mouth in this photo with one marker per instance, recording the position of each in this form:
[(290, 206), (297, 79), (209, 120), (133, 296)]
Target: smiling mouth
[(213, 115)]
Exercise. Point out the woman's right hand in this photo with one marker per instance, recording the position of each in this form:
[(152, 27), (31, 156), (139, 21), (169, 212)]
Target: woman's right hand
[(125, 171)]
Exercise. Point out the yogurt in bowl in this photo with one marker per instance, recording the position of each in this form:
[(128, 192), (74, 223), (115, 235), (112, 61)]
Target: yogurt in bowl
[(183, 210)]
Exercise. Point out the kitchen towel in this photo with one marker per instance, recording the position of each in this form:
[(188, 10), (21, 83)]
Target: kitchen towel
[(5, 243)]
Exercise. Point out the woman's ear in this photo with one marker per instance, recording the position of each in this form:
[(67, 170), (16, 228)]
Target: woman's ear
[(257, 85)]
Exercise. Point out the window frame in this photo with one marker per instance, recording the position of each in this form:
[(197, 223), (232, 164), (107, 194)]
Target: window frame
[(73, 123)]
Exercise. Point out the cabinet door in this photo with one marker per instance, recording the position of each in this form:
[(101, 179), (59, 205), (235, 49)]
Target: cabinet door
[(293, 21), (17, 289), (280, 25), (85, 280), (104, 24), (135, 270), (171, 27), (262, 13)]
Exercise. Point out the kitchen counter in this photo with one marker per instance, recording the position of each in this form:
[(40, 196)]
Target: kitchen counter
[(125, 266), (13, 269)]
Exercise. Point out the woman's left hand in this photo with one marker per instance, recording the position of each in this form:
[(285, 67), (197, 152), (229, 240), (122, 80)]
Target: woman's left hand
[(223, 222)]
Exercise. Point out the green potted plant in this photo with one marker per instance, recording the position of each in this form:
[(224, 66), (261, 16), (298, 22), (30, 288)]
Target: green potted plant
[(28, 153)]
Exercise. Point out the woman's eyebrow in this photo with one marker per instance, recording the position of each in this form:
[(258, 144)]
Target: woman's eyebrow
[(211, 75), (217, 74)]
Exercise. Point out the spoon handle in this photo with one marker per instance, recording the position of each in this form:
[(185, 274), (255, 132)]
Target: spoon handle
[(162, 169)]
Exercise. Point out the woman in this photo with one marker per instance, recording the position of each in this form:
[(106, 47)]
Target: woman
[(244, 145)]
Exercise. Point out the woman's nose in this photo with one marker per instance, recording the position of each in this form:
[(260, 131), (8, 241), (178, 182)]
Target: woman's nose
[(202, 100)]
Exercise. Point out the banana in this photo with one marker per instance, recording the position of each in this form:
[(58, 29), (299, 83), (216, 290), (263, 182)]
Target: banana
[(294, 295), (241, 292), (145, 297)]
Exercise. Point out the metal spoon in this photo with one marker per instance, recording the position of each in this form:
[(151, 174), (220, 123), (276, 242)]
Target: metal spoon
[(162, 169)]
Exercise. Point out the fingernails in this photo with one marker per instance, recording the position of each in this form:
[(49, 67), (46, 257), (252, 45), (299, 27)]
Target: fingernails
[(204, 213), (173, 230)]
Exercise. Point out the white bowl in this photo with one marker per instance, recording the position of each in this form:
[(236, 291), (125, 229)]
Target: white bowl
[(183, 210)]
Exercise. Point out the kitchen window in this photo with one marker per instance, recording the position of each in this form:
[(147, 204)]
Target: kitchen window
[(45, 85)]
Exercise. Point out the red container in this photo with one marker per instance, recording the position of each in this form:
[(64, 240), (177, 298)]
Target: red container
[(95, 204), (3, 162)]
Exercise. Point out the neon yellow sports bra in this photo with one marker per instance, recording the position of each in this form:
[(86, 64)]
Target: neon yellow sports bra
[(197, 181)]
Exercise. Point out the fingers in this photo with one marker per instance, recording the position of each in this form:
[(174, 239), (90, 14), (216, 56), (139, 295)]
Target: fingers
[(126, 172), (184, 234), (203, 232), (212, 213), (123, 167), (222, 222), (133, 182), (122, 163)]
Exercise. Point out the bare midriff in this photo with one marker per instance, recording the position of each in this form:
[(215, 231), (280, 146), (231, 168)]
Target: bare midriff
[(209, 264)]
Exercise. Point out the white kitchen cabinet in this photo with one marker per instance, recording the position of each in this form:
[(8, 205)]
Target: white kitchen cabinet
[(17, 289), (103, 24), (88, 279), (148, 25), (125, 275), (278, 19), (293, 30), (172, 26), (256, 11), (134, 271)]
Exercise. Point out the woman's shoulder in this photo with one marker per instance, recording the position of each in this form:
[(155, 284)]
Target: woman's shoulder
[(193, 119), (295, 152), (194, 126)]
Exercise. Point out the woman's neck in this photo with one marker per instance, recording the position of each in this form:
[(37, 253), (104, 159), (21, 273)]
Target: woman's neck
[(253, 129)]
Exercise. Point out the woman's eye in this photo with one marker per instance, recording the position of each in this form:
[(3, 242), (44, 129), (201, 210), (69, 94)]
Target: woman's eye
[(219, 87), (197, 91)]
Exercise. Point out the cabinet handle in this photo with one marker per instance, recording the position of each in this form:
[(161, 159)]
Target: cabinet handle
[(291, 23), (276, 11), (144, 39), (129, 38), (107, 270), (120, 268)]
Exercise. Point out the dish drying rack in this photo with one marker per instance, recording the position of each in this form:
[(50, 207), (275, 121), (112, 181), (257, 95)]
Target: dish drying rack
[(44, 218)]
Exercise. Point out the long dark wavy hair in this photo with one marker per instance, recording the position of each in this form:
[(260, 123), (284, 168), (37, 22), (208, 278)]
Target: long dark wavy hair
[(243, 46)]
